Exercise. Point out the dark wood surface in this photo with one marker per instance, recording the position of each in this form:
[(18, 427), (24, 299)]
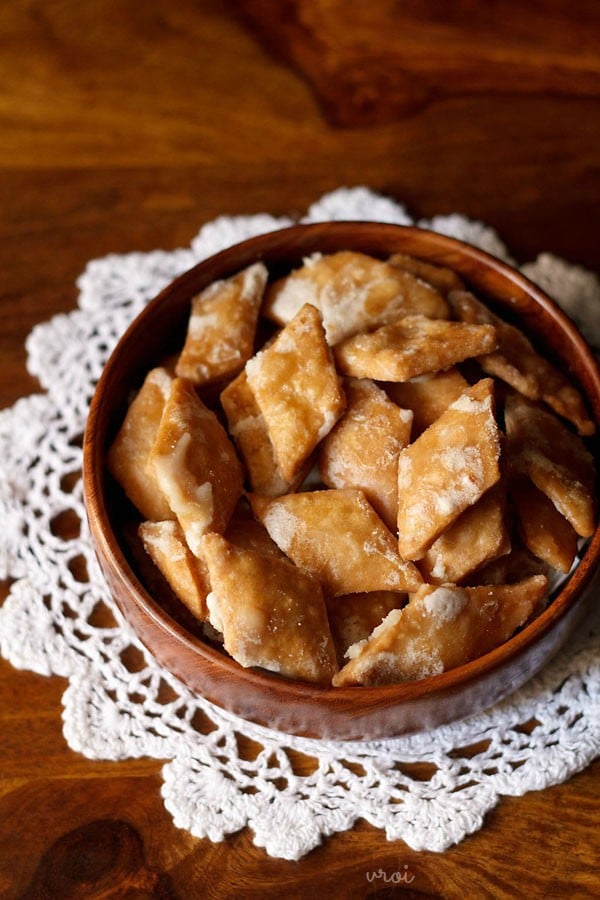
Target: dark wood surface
[(125, 127)]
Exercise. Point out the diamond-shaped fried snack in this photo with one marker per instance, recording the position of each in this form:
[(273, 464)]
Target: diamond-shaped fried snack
[(519, 365), (248, 534), (297, 390), (441, 627), (249, 431), (475, 538), (129, 452), (222, 325), (195, 464), (353, 617), (362, 450), (412, 346), (185, 573), (428, 396), (441, 278), (271, 614), (511, 568), (354, 292), (337, 537), (543, 448), (543, 530), (447, 469)]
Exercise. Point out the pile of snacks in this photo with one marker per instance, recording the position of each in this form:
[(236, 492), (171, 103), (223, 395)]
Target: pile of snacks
[(379, 493)]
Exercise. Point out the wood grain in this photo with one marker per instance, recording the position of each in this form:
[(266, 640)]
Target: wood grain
[(546, 844), (101, 859), (124, 128), (370, 63)]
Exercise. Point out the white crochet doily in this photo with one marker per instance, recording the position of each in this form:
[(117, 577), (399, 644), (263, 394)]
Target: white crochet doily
[(59, 618)]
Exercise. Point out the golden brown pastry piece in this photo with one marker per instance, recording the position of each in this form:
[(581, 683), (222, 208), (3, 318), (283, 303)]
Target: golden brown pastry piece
[(440, 628), (248, 429), (222, 325), (185, 573), (441, 278), (337, 536), (195, 464), (474, 539), (297, 390), (412, 346), (447, 469), (517, 363), (512, 567), (129, 453), (353, 617), (428, 396), (362, 449), (246, 533), (271, 614), (540, 446), (354, 292), (543, 530)]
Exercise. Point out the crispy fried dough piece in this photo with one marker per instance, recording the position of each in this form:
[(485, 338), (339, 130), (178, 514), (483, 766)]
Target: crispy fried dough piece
[(297, 390), (249, 431), (185, 573), (154, 581), (129, 452), (428, 396), (441, 627), (475, 538), (516, 362), (362, 449), (337, 536), (353, 617), (222, 325), (354, 292), (543, 530), (195, 464), (513, 567), (412, 346), (540, 446), (271, 614), (441, 278), (248, 534), (447, 469)]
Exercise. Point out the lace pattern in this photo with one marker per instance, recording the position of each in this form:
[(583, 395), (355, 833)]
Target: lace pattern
[(59, 617)]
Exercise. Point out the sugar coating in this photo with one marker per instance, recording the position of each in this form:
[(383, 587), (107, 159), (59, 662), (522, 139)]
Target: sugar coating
[(129, 454), (185, 573), (337, 537), (445, 604), (214, 612), (468, 404), (280, 521), (297, 390), (271, 614), (195, 464), (221, 326), (165, 539), (353, 291), (161, 378), (447, 469)]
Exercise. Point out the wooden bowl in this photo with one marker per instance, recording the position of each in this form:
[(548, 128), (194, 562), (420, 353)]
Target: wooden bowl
[(344, 713)]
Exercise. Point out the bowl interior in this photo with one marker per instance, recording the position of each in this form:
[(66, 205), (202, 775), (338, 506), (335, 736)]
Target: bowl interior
[(171, 633)]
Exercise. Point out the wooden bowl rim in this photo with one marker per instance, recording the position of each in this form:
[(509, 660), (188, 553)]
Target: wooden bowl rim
[(436, 247)]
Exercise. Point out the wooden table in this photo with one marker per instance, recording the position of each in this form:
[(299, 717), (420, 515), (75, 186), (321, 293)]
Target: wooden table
[(125, 126)]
